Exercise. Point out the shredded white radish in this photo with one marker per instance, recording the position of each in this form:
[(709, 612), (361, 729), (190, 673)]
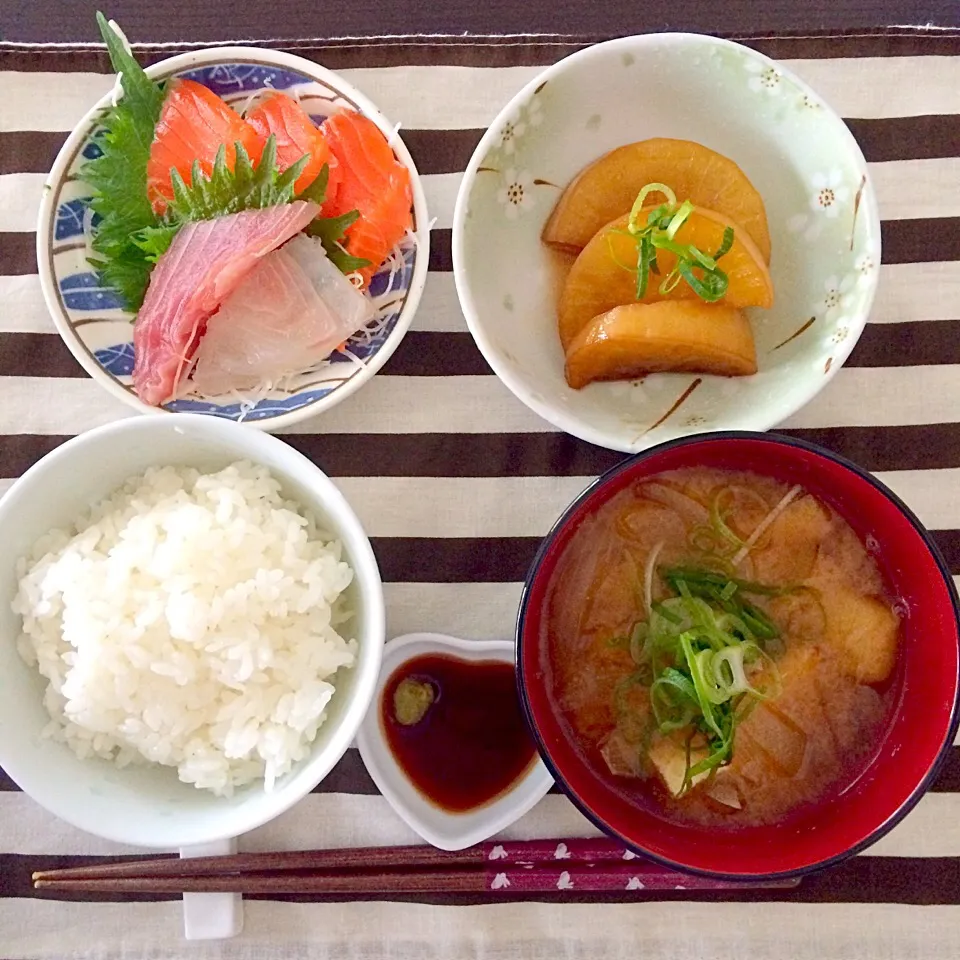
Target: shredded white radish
[(758, 531), (254, 98), (352, 357), (394, 136), (248, 399), (185, 365), (117, 93), (648, 578), (183, 372)]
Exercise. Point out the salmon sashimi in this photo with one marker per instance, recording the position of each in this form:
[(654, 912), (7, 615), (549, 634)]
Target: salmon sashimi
[(290, 312), (296, 134), (194, 123), (206, 262), (374, 183)]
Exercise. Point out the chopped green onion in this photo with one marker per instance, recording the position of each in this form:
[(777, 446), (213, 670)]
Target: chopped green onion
[(662, 242), (665, 613), (707, 541), (702, 687), (613, 254), (679, 218), (758, 622), (725, 245), (659, 233), (710, 287), (708, 263), (648, 261), (673, 700), (642, 196), (718, 520), (728, 669), (701, 654), (670, 282), (637, 641), (719, 755), (659, 217), (695, 575)]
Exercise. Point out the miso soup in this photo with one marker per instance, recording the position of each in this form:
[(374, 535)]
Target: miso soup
[(721, 645)]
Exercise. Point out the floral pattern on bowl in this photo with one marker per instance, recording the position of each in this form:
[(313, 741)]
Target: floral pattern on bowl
[(99, 332), (820, 205)]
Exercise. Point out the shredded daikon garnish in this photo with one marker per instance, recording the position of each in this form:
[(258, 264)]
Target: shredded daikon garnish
[(352, 357), (116, 94), (758, 532), (254, 97), (248, 399), (184, 367), (394, 136)]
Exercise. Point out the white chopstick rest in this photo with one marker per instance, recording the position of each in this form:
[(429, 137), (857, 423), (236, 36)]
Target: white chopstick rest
[(211, 916)]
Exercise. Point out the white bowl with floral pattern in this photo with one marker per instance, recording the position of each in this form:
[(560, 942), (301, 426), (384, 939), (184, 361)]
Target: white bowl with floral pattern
[(821, 208)]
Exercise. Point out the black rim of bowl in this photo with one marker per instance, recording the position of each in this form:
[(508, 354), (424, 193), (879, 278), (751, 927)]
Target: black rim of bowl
[(918, 791)]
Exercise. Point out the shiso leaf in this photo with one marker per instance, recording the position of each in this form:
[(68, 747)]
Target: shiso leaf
[(227, 191), (330, 232), (118, 177)]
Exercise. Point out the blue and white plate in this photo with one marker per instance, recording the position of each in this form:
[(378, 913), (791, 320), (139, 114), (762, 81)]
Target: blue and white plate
[(91, 319)]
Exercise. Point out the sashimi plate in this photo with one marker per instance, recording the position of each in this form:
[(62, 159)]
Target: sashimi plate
[(99, 332)]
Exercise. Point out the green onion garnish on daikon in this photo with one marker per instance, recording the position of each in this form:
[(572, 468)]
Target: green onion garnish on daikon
[(697, 269)]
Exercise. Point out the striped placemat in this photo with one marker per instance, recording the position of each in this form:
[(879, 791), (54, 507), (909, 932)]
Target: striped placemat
[(456, 481)]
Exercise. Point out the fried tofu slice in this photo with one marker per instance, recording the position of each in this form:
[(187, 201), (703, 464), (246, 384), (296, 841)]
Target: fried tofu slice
[(668, 754), (863, 631)]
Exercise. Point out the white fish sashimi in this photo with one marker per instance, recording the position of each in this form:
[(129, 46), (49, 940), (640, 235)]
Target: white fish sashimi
[(334, 288), (291, 311)]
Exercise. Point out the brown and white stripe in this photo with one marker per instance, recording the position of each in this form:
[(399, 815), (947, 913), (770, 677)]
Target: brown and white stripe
[(456, 482)]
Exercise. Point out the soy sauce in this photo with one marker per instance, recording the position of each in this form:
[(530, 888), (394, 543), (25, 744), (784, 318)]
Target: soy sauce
[(468, 742)]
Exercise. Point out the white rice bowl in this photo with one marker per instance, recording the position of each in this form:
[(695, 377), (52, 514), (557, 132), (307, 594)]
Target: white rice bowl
[(190, 619)]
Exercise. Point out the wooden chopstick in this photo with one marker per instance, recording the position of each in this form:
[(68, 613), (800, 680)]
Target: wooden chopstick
[(358, 882), (525, 867), (357, 858), (361, 858)]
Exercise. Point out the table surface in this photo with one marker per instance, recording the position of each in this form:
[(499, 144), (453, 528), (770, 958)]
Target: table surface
[(455, 481), (216, 20)]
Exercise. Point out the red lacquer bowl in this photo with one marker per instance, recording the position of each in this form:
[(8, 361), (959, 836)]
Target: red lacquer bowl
[(924, 722)]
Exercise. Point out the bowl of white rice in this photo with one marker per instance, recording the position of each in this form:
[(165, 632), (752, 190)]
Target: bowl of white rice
[(191, 627)]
